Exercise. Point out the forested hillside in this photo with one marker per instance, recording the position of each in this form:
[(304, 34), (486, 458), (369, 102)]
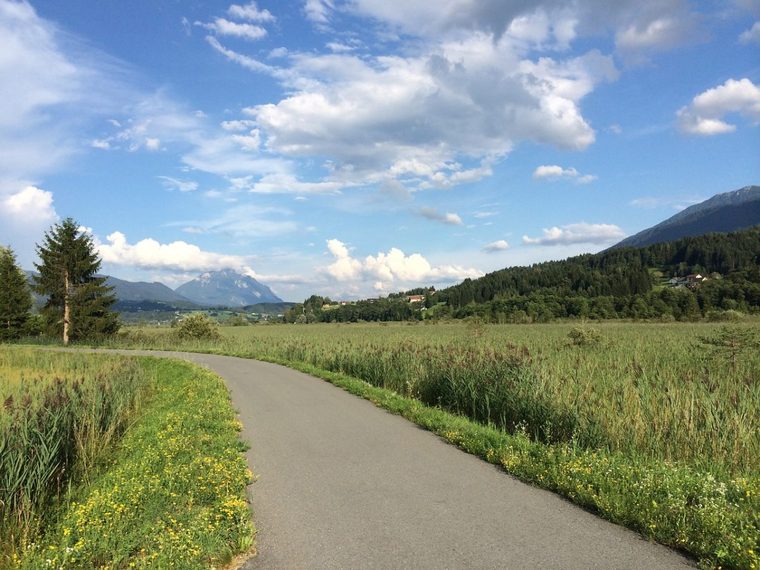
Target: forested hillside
[(626, 282), (618, 283)]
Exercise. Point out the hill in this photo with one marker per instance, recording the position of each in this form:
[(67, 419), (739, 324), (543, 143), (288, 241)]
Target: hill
[(227, 289), (135, 291), (727, 212)]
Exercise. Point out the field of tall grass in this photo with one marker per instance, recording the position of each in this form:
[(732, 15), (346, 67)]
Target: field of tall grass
[(111, 461), (654, 390), (59, 416), (652, 425)]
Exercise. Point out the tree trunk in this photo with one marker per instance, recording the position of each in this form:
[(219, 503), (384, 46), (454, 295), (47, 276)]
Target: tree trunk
[(66, 308)]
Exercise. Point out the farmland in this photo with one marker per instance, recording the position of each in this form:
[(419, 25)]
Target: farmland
[(652, 425)]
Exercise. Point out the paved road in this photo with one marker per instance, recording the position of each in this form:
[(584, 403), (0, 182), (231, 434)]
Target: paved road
[(343, 484)]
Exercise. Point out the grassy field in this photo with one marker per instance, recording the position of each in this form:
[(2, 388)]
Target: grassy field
[(652, 425), (110, 461)]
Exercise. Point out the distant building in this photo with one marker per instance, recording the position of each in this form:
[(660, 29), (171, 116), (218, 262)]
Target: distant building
[(416, 298)]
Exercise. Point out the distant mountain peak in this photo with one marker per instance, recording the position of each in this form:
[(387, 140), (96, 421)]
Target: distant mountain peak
[(726, 212), (228, 288)]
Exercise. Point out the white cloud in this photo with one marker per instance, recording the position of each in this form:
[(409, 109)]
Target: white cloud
[(238, 126), (577, 233), (175, 256), (494, 246), (318, 11), (423, 118), (554, 172), (485, 214), (250, 12), (250, 142), (447, 218), (224, 27), (248, 221), (393, 268), (30, 205), (705, 115), (751, 36), (25, 214), (152, 143), (176, 184), (101, 144), (53, 87), (637, 24)]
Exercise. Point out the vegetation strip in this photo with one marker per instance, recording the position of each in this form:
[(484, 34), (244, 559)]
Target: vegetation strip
[(172, 493)]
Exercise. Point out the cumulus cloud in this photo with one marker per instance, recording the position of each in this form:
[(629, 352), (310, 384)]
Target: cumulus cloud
[(250, 12), (636, 24), (25, 214), (705, 115), (449, 218), (425, 118), (554, 172), (392, 268), (751, 36), (577, 233), (30, 205), (224, 27), (175, 256), (494, 246)]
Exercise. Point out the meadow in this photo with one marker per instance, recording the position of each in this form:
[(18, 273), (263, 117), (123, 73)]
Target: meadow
[(106, 461), (652, 425)]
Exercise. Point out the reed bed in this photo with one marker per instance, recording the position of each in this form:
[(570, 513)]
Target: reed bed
[(60, 413), (653, 390)]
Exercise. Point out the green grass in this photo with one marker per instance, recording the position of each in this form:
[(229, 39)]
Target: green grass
[(169, 492), (647, 426)]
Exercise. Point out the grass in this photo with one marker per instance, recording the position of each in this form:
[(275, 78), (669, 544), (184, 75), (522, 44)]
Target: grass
[(644, 425), (166, 490)]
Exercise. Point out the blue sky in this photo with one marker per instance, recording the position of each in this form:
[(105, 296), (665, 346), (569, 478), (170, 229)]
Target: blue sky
[(358, 147)]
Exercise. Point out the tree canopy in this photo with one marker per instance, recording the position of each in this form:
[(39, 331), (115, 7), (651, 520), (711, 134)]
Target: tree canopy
[(78, 301), (15, 297)]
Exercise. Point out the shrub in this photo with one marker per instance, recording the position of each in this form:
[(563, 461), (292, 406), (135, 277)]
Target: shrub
[(584, 336), (197, 326), (730, 315)]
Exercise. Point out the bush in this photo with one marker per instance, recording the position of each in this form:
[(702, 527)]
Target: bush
[(584, 336), (197, 326), (731, 316)]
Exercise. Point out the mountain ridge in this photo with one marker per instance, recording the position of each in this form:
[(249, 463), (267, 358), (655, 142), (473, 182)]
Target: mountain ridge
[(227, 288), (726, 212)]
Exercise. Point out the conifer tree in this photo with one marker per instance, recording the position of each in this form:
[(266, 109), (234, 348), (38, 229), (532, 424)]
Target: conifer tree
[(15, 297), (79, 302)]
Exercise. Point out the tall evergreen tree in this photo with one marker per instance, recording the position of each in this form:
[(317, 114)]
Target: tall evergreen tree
[(15, 297), (79, 302)]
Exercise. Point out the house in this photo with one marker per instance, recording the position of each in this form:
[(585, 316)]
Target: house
[(416, 298)]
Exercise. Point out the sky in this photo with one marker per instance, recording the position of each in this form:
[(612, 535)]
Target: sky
[(354, 148)]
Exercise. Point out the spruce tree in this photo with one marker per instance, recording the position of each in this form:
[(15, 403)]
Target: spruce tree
[(15, 297), (79, 302)]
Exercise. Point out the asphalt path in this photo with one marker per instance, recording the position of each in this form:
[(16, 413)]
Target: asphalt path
[(344, 484)]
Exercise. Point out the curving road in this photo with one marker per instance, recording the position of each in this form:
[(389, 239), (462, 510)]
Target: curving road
[(343, 484)]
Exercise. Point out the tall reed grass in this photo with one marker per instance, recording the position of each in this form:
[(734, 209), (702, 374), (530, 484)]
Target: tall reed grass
[(652, 390), (60, 413)]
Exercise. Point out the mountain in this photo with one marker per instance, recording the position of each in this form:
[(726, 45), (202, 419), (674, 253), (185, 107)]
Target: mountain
[(227, 288), (727, 212), (143, 291)]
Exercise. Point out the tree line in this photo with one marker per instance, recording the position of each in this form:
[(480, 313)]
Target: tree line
[(617, 283), (77, 301)]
